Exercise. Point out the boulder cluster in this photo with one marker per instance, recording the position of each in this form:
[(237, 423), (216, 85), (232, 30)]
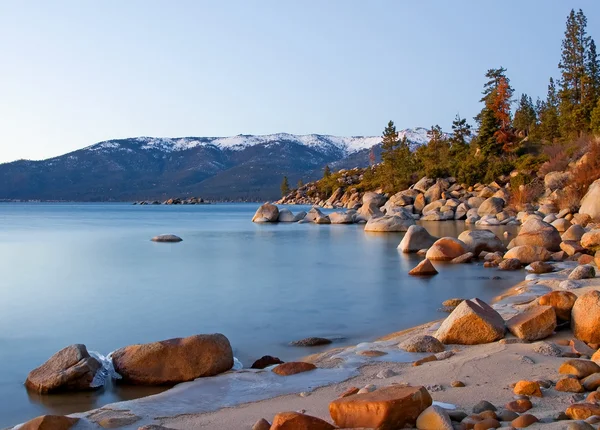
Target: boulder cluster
[(174, 201)]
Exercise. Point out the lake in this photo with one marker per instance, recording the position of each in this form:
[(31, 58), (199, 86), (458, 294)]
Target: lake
[(88, 273)]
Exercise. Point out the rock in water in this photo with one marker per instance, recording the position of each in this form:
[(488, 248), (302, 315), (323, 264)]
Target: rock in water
[(481, 240), (173, 361), (585, 317), (472, 322), (296, 421), (386, 408), (70, 369), (266, 213), (293, 367), (536, 232), (446, 249), (424, 268), (590, 204), (341, 218), (311, 341), (265, 361), (286, 215), (534, 324), (50, 422), (561, 301), (389, 223), (415, 239), (166, 238), (527, 254)]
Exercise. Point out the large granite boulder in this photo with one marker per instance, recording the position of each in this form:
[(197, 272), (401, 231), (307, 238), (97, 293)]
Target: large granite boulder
[(481, 240), (70, 369), (434, 193), (371, 197), (415, 239), (527, 254), (266, 213), (314, 214), (535, 323), (590, 204), (446, 249), (472, 322), (423, 184), (341, 218), (536, 232), (591, 240), (573, 233), (561, 301), (392, 407), (585, 317), (286, 215), (389, 223), (491, 206), (368, 211), (173, 361), (50, 422)]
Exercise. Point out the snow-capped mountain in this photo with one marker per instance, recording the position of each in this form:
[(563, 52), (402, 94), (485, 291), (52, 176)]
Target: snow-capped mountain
[(237, 167)]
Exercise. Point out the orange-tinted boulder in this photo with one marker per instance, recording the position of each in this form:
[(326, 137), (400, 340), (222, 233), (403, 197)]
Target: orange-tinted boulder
[(386, 409), (472, 322), (296, 421), (561, 301), (579, 368), (581, 411), (585, 317), (293, 367), (175, 360), (535, 323), (528, 388), (569, 385), (50, 422), (424, 268), (446, 249)]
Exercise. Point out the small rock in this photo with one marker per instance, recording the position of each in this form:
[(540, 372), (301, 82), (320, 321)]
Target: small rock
[(519, 406), (524, 421), (425, 360), (457, 384), (569, 385), (293, 367), (528, 388), (265, 361), (483, 405), (568, 285), (540, 267), (261, 424), (166, 238), (579, 425), (591, 382), (510, 264), (547, 348), (349, 392), (581, 411), (386, 373), (579, 368), (294, 420), (311, 341), (444, 355), (583, 272), (507, 415), (424, 268), (486, 424), (434, 418), (422, 343)]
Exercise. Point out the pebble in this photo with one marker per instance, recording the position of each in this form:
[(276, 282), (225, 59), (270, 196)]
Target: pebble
[(579, 425), (349, 392), (457, 384), (367, 389), (594, 419), (444, 355), (507, 415), (261, 424), (304, 394), (524, 420), (434, 388), (483, 405), (526, 360)]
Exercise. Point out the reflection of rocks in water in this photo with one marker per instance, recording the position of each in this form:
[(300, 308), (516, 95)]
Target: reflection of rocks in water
[(68, 403)]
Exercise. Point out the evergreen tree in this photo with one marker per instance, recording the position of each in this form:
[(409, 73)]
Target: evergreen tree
[(389, 156), (525, 115), (435, 156), (549, 127), (573, 116), (300, 184), (461, 133), (591, 82), (326, 172), (595, 120), (285, 186)]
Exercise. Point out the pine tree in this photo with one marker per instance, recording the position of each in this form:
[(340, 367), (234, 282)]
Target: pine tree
[(300, 184), (595, 119), (573, 116), (285, 186), (591, 82), (389, 156), (326, 172), (461, 133), (435, 156), (525, 115), (549, 127)]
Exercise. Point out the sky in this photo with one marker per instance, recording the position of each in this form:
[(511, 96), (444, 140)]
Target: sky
[(73, 73)]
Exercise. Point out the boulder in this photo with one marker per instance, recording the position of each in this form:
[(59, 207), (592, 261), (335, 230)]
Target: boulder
[(561, 224), (472, 322), (585, 271), (585, 317), (166, 238), (50, 422), (173, 361), (299, 216), (322, 220), (538, 233), (462, 259), (540, 267), (569, 385), (590, 203), (579, 368), (423, 184), (592, 382), (371, 197), (266, 213), (293, 367), (286, 215), (70, 369), (481, 240), (265, 361), (297, 421), (591, 240), (528, 388), (535, 323), (388, 223), (490, 206), (561, 301), (461, 211), (556, 180), (434, 192), (422, 343), (571, 247), (582, 411), (510, 264), (434, 206), (434, 418), (527, 254), (341, 218), (386, 408), (369, 210), (475, 202), (416, 238), (419, 203), (313, 214), (424, 268), (446, 249)]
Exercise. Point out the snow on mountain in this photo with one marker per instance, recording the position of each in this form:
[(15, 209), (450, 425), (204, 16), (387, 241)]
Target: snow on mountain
[(349, 145)]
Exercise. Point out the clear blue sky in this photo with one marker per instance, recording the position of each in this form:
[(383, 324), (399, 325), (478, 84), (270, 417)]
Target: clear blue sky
[(76, 72)]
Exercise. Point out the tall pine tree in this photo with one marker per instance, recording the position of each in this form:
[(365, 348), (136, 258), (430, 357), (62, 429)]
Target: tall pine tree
[(389, 156), (285, 186), (495, 125), (549, 127), (525, 115)]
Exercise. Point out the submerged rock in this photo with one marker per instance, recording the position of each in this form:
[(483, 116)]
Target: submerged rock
[(311, 341), (70, 369), (173, 361), (166, 238)]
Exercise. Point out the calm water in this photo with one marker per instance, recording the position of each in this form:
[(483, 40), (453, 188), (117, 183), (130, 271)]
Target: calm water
[(88, 273)]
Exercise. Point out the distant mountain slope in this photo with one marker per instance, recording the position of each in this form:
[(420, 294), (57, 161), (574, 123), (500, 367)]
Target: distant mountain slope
[(239, 167)]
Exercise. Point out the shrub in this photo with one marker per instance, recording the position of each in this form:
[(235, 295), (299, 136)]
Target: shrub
[(523, 194)]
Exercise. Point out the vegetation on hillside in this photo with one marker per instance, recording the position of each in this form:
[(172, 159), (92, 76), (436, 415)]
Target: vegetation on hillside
[(534, 139)]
